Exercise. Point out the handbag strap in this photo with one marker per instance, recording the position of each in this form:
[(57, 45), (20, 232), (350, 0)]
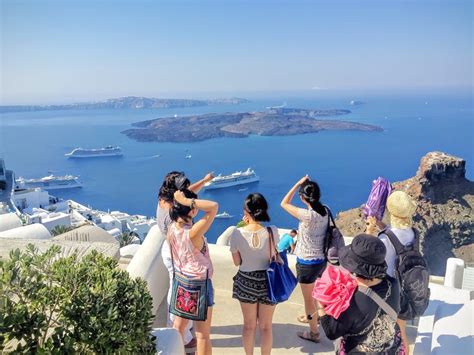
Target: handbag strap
[(379, 300), (271, 241), (330, 218)]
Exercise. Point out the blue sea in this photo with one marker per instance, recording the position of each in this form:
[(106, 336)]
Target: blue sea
[(343, 163)]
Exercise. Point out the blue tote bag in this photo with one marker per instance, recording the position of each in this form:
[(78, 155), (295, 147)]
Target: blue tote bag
[(280, 279)]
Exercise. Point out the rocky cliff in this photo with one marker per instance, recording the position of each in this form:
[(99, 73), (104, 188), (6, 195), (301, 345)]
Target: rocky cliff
[(444, 215)]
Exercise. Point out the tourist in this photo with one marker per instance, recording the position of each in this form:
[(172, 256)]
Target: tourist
[(287, 242), (251, 248), (191, 255), (367, 325), (401, 208), (311, 260), (172, 182)]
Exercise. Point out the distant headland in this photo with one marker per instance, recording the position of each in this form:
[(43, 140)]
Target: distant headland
[(275, 122), (129, 102)]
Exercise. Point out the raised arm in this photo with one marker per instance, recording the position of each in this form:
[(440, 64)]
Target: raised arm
[(286, 202), (208, 207), (197, 186)]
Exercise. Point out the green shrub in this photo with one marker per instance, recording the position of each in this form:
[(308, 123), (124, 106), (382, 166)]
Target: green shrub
[(60, 230), (126, 238), (241, 224), (65, 305)]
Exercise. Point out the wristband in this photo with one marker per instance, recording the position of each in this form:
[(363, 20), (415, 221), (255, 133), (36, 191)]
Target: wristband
[(193, 203)]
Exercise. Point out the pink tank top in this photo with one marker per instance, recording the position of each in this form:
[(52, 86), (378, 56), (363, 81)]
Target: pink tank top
[(187, 259)]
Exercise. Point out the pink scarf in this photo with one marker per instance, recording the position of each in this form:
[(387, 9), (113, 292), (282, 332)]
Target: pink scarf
[(334, 290)]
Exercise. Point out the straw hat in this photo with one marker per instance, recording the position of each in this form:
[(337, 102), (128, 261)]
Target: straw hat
[(402, 208)]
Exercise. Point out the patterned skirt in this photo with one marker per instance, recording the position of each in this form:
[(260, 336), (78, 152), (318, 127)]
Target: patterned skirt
[(251, 287)]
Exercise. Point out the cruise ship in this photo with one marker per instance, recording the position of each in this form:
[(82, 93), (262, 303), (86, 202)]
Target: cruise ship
[(237, 178), (50, 182), (108, 151)]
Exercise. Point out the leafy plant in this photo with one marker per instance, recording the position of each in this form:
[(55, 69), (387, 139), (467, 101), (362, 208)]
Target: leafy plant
[(60, 230), (66, 305), (127, 238), (241, 224)]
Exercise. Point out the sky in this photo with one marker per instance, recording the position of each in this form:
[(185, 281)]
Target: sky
[(69, 51)]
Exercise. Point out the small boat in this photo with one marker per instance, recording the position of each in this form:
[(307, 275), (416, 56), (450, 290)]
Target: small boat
[(188, 156), (224, 215)]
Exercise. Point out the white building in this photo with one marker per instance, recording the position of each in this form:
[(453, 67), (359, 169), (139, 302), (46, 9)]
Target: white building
[(9, 221), (49, 219), (26, 200), (32, 231)]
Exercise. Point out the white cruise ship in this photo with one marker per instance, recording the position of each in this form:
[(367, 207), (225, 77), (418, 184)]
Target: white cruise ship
[(237, 178), (50, 182), (108, 151)]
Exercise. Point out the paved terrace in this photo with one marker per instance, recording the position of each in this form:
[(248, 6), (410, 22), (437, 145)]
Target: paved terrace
[(227, 317)]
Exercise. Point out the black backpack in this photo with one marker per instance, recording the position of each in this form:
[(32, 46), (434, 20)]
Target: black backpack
[(334, 240), (413, 276)]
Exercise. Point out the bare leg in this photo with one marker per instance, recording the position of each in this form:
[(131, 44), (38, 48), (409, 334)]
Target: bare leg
[(310, 306), (265, 322), (403, 330), (249, 311), (203, 334), (181, 325)]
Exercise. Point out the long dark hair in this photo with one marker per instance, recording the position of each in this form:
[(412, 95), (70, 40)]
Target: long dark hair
[(180, 211), (174, 181), (310, 192), (256, 205)]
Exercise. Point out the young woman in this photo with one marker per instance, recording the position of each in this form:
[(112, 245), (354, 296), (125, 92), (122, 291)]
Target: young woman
[(191, 255), (172, 182), (311, 261), (250, 247)]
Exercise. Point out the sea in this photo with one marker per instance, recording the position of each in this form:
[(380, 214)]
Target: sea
[(343, 163)]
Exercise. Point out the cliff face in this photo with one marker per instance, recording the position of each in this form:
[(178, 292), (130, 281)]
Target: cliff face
[(444, 215)]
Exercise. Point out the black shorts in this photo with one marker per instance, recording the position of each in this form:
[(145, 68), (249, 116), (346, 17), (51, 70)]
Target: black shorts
[(307, 274)]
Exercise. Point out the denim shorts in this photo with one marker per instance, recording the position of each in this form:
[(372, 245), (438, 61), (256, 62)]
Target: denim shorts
[(210, 293)]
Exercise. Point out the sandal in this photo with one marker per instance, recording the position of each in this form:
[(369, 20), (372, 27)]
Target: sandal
[(304, 319), (310, 336)]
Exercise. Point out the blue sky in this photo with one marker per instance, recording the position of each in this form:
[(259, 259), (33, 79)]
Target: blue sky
[(61, 51)]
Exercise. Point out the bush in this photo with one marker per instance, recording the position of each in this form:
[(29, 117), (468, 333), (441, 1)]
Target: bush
[(61, 229), (241, 224), (65, 305), (127, 238)]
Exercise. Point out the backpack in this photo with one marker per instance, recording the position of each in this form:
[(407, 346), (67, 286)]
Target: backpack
[(413, 276), (333, 241), (375, 205)]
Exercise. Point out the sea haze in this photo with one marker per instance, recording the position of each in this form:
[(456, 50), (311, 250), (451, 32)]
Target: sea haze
[(344, 163)]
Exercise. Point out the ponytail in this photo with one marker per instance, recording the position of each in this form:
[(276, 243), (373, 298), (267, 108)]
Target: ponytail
[(181, 211), (257, 207), (311, 193)]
